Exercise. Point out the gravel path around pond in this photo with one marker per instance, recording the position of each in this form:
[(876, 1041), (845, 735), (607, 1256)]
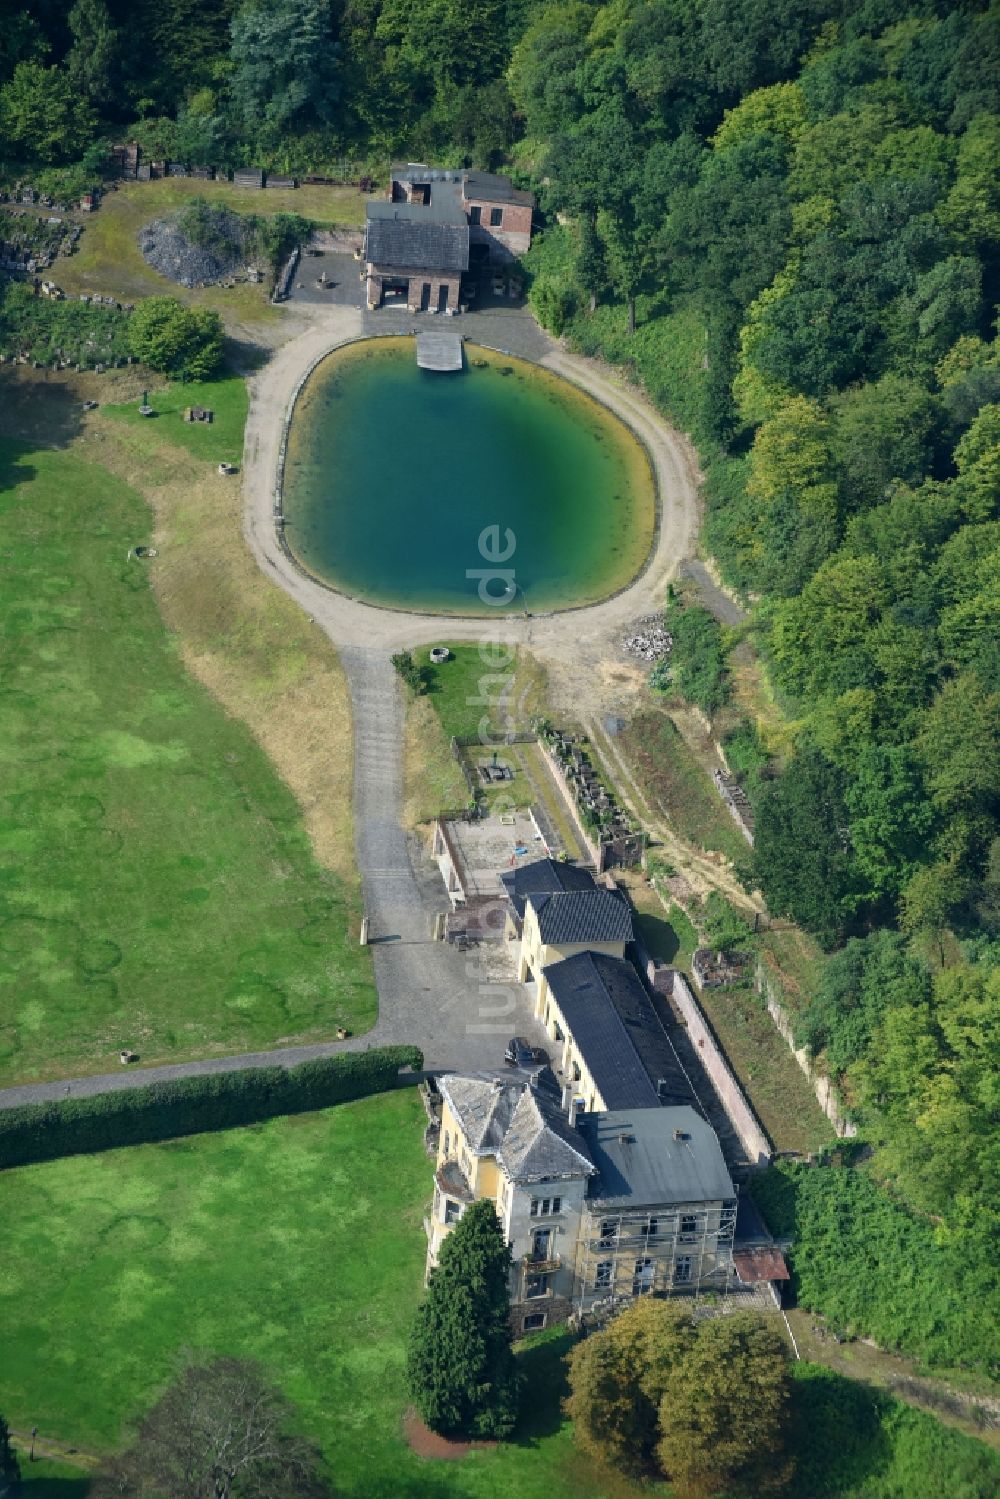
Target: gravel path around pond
[(577, 638)]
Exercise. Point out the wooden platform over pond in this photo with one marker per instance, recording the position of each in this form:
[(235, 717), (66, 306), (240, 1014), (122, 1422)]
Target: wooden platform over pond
[(439, 351)]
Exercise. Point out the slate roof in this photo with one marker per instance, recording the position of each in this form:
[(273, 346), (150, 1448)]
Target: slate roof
[(544, 877), (410, 237), (566, 916), (540, 1143), (520, 1121), (493, 189), (640, 1163), (617, 1031), (484, 185)]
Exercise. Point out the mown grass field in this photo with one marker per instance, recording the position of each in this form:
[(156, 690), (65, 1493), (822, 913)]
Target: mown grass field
[(220, 441), (473, 686), (463, 693), (158, 886), (108, 259), (298, 1243)]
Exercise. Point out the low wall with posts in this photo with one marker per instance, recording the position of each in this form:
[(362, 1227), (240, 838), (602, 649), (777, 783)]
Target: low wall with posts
[(755, 1142), (826, 1094)]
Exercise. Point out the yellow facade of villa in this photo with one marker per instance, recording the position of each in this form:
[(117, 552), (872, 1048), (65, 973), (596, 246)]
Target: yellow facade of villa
[(604, 1205)]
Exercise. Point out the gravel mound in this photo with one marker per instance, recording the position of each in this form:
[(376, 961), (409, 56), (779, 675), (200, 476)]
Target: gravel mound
[(167, 249)]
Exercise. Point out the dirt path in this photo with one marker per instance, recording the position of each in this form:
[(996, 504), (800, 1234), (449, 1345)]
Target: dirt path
[(974, 1412)]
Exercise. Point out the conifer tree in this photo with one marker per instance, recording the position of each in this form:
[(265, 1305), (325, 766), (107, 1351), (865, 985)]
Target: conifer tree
[(461, 1366), (10, 1470)]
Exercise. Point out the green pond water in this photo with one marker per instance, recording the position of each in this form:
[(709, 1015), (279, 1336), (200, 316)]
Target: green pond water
[(394, 477)]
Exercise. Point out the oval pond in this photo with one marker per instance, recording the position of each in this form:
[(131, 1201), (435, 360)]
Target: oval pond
[(393, 473)]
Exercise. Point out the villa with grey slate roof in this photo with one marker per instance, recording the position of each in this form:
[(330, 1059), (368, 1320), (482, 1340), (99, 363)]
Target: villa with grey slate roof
[(596, 1206)]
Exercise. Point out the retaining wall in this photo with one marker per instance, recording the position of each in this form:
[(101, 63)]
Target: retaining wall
[(758, 1147), (826, 1094)]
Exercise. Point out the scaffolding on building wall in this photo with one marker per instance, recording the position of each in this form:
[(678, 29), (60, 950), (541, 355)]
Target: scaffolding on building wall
[(630, 1244)]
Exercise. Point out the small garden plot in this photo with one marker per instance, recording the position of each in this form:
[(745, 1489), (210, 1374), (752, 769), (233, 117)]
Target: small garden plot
[(60, 334), (25, 235)]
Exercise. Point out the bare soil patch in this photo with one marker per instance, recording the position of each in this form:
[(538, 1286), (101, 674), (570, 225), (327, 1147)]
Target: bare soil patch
[(427, 1443)]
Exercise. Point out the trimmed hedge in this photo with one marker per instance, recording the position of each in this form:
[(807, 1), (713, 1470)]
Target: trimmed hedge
[(194, 1105)]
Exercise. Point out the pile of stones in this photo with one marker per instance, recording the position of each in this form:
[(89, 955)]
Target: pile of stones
[(649, 640), (169, 251)]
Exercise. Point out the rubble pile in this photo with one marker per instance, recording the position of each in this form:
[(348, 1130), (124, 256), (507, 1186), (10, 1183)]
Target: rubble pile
[(650, 640), (168, 250)]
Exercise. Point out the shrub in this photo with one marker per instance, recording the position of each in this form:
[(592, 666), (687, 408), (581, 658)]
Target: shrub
[(57, 332), (195, 1105), (416, 677), (697, 657), (876, 1270), (176, 340)]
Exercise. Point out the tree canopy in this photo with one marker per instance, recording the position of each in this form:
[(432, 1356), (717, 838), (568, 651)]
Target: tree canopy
[(461, 1367), (703, 1402)]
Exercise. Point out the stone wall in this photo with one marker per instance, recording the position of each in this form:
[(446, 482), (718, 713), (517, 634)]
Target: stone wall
[(758, 1147), (826, 1094)]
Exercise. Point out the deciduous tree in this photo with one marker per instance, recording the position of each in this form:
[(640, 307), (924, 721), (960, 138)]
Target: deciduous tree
[(219, 1432), (286, 64), (723, 1414), (176, 340), (617, 1378), (43, 117)]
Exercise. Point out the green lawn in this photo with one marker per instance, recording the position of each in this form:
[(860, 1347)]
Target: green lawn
[(297, 1243), (219, 442), (465, 689), (157, 887)]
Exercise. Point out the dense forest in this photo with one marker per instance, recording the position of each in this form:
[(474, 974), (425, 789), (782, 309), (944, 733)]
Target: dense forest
[(784, 217)]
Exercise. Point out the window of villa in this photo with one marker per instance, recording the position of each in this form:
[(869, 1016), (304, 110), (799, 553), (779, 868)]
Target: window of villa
[(682, 1269), (447, 1143), (452, 1211), (541, 1207), (533, 1321), (475, 214), (496, 217), (652, 1227), (536, 1286), (557, 1033), (609, 1231), (576, 1072), (642, 1278), (602, 1275), (689, 1227)]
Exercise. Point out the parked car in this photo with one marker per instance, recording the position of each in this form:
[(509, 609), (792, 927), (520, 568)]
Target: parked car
[(521, 1053)]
